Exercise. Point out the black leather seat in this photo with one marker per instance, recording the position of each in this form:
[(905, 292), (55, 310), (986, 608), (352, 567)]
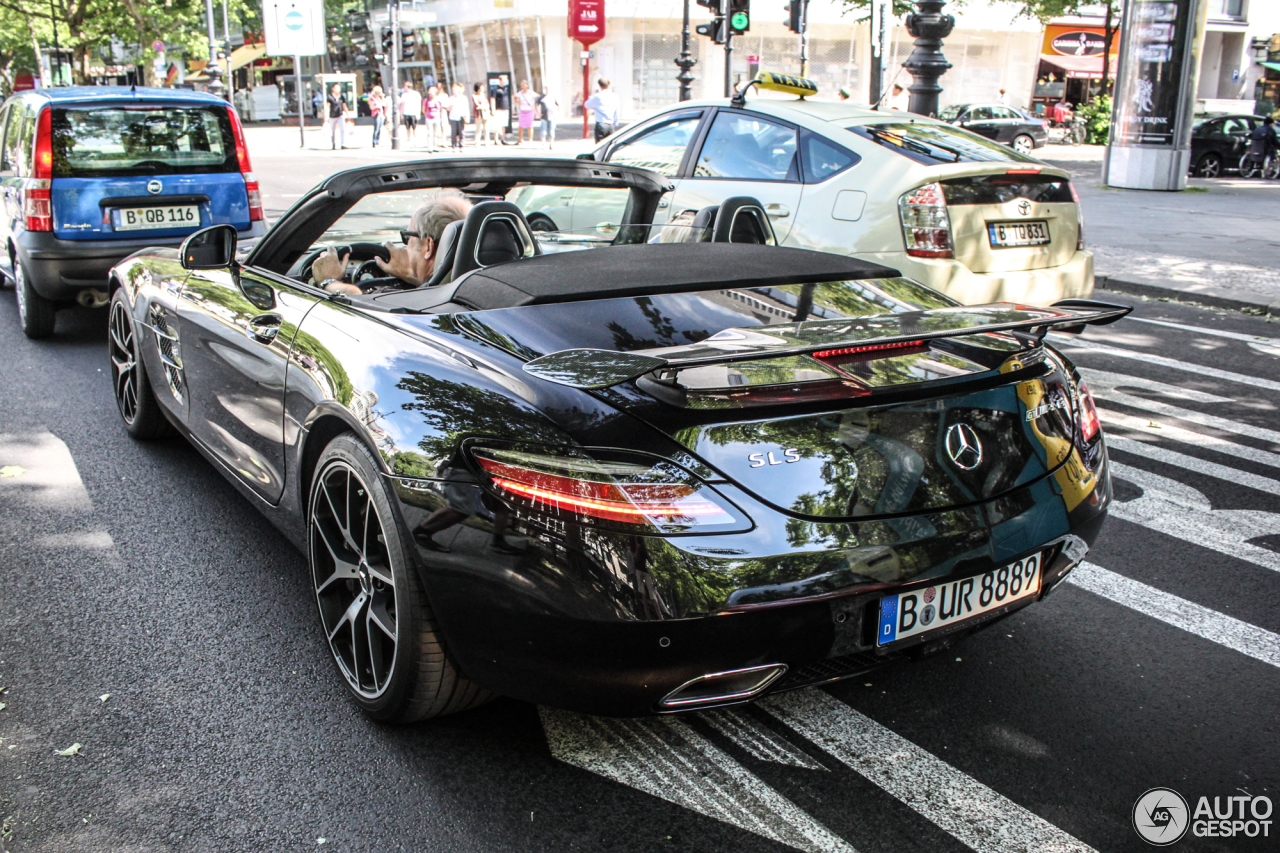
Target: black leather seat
[(445, 253), (494, 232)]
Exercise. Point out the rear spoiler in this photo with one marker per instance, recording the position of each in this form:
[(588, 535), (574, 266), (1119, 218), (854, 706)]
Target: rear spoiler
[(596, 368)]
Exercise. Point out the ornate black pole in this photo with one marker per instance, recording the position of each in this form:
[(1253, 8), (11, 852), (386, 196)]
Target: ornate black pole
[(926, 63), (686, 61)]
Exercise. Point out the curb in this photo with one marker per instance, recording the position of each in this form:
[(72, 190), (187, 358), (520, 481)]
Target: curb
[(1139, 288)]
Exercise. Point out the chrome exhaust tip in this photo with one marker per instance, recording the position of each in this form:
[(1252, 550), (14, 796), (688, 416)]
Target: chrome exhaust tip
[(722, 688), (93, 298)]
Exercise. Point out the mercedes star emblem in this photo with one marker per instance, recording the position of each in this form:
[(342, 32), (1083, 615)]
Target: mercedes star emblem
[(154, 187), (964, 447)]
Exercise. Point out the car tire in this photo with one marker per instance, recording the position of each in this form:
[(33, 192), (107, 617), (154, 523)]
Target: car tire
[(36, 313), (364, 577), (135, 398), (1023, 144), (541, 222), (1210, 166)]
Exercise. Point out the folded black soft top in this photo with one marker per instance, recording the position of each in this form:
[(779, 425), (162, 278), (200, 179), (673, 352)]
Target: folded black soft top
[(641, 270)]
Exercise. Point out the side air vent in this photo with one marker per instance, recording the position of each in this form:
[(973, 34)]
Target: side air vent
[(170, 351)]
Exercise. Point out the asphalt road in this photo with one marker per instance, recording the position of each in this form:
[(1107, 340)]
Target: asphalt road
[(135, 570)]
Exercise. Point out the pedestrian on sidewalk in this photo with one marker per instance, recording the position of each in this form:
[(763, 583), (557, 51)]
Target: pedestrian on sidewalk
[(410, 112), (548, 111), (500, 97), (526, 102), (431, 110), (1004, 98), (899, 100), (378, 109), (459, 107), (336, 123), (1262, 142), (606, 106), (483, 112)]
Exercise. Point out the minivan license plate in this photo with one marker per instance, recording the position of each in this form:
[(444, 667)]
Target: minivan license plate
[(909, 613), (140, 218), (1007, 235)]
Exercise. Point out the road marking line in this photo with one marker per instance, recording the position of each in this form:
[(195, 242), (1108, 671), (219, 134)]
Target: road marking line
[(974, 814), (50, 480), (1172, 363), (1193, 463), (664, 757), (1185, 436), (757, 740), (1107, 383), (1218, 333), (1175, 509), (1217, 627)]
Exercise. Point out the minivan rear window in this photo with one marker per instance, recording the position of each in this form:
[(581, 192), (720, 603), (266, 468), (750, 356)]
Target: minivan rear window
[(932, 144), (115, 142)]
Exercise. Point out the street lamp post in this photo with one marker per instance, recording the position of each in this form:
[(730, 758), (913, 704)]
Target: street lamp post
[(686, 60), (393, 21), (212, 71), (926, 64)]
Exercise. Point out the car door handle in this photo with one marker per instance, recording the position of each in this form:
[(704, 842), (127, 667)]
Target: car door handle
[(264, 327), (778, 210), (662, 204)]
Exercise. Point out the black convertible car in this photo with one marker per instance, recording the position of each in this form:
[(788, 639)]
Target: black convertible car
[(637, 469)]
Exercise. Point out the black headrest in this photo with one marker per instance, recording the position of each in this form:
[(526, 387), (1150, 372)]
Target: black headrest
[(494, 232), (705, 218), (741, 219), (445, 252)]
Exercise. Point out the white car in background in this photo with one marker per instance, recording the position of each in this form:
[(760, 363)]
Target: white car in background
[(947, 207)]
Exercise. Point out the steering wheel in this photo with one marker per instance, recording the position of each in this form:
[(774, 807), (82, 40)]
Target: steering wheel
[(363, 252)]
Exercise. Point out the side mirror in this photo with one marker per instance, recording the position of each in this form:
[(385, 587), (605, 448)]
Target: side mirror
[(211, 248)]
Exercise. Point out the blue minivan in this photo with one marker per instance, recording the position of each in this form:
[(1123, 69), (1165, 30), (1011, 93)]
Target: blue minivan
[(90, 175)]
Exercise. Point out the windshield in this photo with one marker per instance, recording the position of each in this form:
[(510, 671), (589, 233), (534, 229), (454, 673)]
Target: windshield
[(931, 144), (117, 142), (951, 113)]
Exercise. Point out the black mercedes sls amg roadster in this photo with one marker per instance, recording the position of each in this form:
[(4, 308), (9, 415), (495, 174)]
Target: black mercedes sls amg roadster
[(625, 469)]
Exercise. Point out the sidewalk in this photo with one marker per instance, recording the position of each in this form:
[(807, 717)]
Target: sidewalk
[(1218, 243)]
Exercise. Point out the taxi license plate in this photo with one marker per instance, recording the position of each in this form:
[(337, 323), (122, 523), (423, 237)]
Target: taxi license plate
[(1008, 235), (140, 218), (907, 614)]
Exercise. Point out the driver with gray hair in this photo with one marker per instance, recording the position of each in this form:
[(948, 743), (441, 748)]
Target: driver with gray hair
[(412, 262)]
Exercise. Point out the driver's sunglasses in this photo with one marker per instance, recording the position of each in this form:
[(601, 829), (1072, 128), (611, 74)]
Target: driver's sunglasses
[(405, 235)]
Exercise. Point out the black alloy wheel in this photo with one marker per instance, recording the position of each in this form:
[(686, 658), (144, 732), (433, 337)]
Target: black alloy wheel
[(35, 312), (541, 222), (1210, 166), (373, 610), (134, 396)]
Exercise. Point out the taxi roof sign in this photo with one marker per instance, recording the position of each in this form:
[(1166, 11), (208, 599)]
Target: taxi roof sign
[(777, 83)]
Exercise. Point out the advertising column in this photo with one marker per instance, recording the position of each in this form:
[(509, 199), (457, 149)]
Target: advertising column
[(1154, 96)]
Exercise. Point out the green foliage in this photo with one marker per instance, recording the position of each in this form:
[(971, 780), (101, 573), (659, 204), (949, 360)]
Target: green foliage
[(862, 8), (1097, 119)]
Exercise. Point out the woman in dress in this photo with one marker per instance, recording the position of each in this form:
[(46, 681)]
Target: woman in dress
[(483, 112), (526, 101)]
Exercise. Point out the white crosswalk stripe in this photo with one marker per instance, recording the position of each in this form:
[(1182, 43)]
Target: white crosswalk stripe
[(1205, 330), (1191, 617), (1147, 429), (1194, 463), (1201, 370), (974, 814), (1104, 385)]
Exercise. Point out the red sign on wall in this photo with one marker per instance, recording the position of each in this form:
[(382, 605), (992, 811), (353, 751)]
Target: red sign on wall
[(586, 21)]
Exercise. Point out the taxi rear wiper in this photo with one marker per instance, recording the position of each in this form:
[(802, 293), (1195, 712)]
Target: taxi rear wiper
[(911, 144)]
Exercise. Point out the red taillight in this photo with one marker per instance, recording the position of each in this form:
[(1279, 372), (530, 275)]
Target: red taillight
[(658, 496), (1079, 218), (926, 225), (37, 200), (1022, 171), (43, 169), (1090, 426), (242, 157), (836, 353)]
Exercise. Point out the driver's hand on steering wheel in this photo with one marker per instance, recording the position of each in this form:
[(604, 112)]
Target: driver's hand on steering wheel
[(409, 262), (330, 266)]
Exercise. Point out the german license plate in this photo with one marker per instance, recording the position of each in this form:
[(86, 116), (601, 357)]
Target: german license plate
[(140, 218), (1007, 235), (906, 614)]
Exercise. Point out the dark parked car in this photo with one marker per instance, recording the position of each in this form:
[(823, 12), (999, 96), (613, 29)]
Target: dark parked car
[(1218, 143), (637, 469), (1021, 132), (91, 175)]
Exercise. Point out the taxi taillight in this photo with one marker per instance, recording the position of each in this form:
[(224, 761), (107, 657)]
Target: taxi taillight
[(926, 225)]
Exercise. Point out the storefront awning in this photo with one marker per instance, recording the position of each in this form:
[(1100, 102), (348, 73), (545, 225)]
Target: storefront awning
[(1078, 66), (1274, 66), (242, 56)]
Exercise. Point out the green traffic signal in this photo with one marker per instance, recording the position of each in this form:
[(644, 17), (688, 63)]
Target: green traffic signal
[(740, 21)]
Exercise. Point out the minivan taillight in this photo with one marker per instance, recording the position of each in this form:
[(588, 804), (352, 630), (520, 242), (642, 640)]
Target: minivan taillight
[(246, 170), (926, 225), (1079, 219), (37, 200)]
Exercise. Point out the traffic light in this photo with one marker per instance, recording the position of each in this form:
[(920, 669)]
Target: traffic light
[(713, 5), (739, 16), (716, 30), (796, 21)]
